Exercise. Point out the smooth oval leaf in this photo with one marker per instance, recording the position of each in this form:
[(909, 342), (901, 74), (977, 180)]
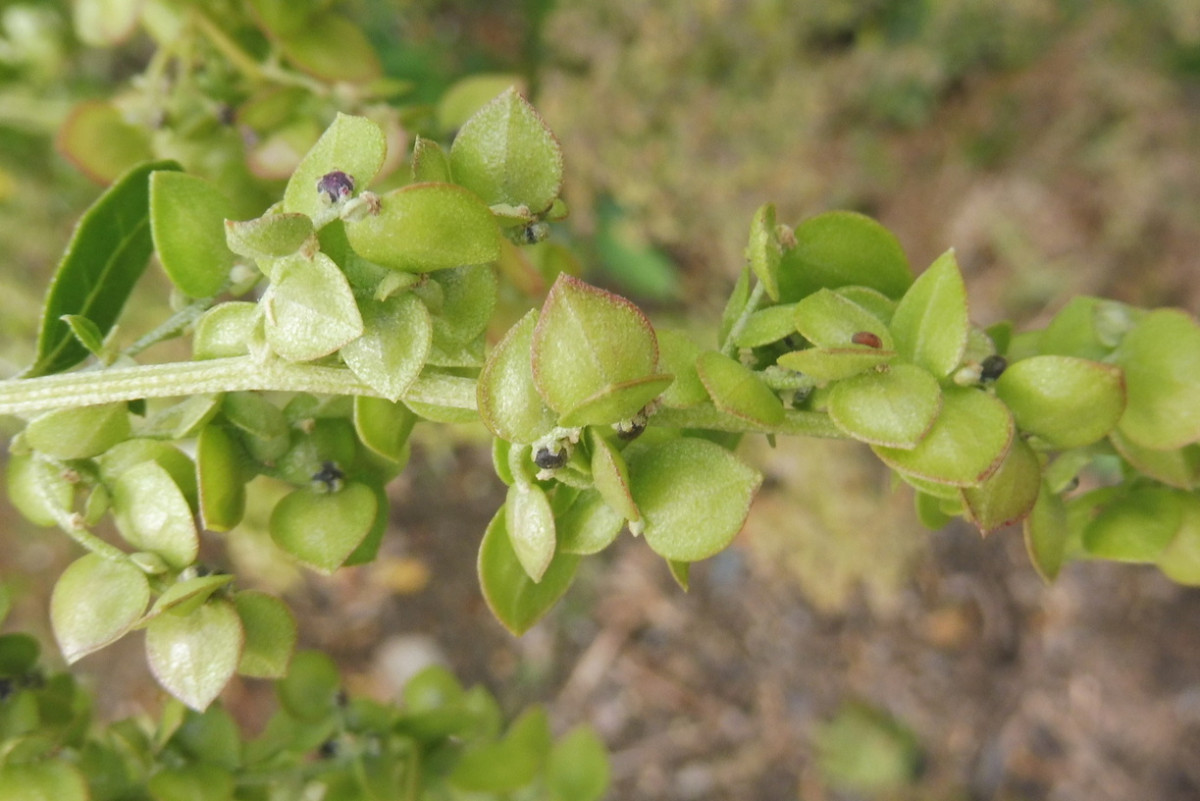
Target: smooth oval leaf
[(310, 689), (766, 326), (79, 432), (107, 254), (46, 780), (1161, 360), (1066, 401), (225, 330), (353, 145), (843, 248), (323, 529), (425, 227), (610, 476), (219, 478), (98, 139), (506, 155), (509, 403), (390, 354), (38, 489), (153, 515), (383, 426), (310, 309), (270, 635), (930, 325), (1008, 495), (895, 408), (514, 598), (186, 595), (1179, 467), (578, 768), (332, 48), (1136, 527), (194, 656), (830, 320), (269, 236), (530, 524), (1180, 560), (95, 602), (187, 222), (1046, 532), (737, 390), (589, 525), (764, 251), (467, 298), (967, 442), (693, 495), (589, 345), (833, 364), (677, 355)]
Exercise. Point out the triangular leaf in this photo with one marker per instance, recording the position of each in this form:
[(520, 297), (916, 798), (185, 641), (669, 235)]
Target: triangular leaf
[(930, 324), (195, 656)]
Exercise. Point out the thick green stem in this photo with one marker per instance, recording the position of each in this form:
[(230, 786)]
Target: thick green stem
[(176, 379)]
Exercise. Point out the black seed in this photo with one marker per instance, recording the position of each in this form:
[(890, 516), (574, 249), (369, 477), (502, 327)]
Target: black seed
[(549, 460), (632, 432), (336, 186), (328, 749), (992, 367), (6, 688), (330, 475)]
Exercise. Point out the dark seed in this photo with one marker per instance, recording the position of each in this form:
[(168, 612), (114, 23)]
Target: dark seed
[(329, 476), (868, 339), (631, 432), (336, 185), (550, 460), (992, 367)]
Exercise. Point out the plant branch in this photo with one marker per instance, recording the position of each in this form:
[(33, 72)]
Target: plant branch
[(113, 385), (795, 423)]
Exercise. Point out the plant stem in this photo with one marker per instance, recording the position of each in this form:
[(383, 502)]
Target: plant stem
[(175, 379), (729, 346)]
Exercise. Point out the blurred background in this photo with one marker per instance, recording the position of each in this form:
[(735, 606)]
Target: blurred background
[(838, 651)]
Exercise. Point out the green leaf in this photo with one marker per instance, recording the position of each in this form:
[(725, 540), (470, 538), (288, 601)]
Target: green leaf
[(530, 524), (967, 442), (829, 320), (610, 475), (930, 324), (194, 656), (694, 497), (265, 432), (468, 95), (505, 154), (508, 400), (843, 248), (353, 145), (872, 300), (429, 162), (107, 254), (389, 355), (153, 515), (333, 49), (1073, 331), (270, 635), (79, 432), (589, 525), (468, 297), (202, 781), (737, 390), (594, 355), (323, 529), (509, 763), (739, 298), (38, 489), (764, 252), (87, 333), (269, 236), (133, 452), (1180, 560), (767, 325), (1136, 527), (219, 477), (100, 142), (186, 595), (310, 309), (187, 222), (95, 602), (1046, 532), (578, 769), (1179, 468), (1008, 495), (47, 780), (1161, 360), (834, 364), (426, 227), (105, 23), (1066, 401), (225, 330), (895, 408), (310, 690), (677, 355), (515, 599), (383, 427)]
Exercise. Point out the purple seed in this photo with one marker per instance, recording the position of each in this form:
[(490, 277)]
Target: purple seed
[(336, 185)]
